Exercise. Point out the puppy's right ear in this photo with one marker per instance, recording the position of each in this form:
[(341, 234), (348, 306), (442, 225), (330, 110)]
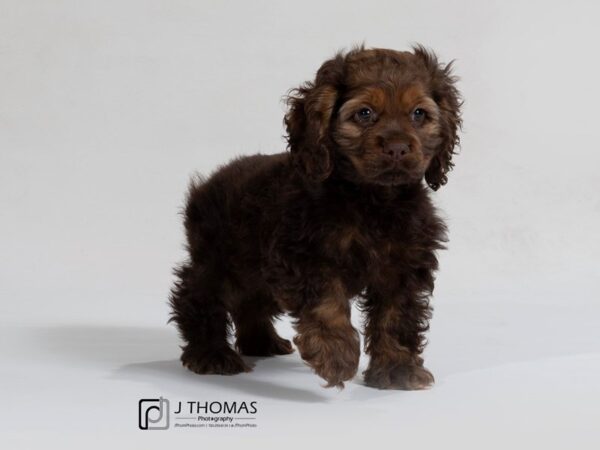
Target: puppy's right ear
[(311, 107)]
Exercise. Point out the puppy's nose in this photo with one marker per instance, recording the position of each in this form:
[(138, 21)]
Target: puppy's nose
[(396, 150)]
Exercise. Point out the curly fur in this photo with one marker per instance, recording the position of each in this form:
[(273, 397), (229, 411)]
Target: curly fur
[(344, 213)]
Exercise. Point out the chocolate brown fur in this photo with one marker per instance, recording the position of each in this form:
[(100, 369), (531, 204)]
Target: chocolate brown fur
[(345, 213)]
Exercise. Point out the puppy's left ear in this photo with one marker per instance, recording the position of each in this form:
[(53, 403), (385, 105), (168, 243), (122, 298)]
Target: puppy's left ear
[(448, 99), (311, 108)]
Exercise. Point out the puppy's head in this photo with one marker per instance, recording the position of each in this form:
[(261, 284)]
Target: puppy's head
[(376, 116)]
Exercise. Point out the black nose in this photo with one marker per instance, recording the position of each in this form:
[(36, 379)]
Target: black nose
[(396, 150)]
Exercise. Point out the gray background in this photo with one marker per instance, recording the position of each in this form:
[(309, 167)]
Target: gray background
[(108, 107)]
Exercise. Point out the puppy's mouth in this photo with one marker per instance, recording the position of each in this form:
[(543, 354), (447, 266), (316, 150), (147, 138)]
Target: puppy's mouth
[(382, 171), (397, 172), (392, 177)]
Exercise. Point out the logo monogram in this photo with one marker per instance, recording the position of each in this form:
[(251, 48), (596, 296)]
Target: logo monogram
[(153, 414)]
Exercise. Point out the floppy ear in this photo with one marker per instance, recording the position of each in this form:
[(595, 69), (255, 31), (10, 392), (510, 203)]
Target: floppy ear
[(449, 101), (307, 121)]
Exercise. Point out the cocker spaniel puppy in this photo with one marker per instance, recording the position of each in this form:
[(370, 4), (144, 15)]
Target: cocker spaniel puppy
[(344, 213)]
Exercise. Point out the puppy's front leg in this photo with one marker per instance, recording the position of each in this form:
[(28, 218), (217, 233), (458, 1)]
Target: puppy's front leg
[(326, 339), (398, 314)]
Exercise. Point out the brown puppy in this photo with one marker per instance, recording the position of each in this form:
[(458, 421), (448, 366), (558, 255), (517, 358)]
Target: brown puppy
[(345, 213)]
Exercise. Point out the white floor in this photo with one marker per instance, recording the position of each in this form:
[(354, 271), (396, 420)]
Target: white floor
[(510, 374)]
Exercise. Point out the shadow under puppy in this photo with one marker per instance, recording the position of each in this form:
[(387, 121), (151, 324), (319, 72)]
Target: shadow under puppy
[(345, 213)]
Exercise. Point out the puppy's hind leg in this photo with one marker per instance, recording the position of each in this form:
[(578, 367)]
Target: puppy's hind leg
[(255, 333), (203, 323)]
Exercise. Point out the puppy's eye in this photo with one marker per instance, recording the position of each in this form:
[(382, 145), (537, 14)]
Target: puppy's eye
[(364, 115), (418, 116)]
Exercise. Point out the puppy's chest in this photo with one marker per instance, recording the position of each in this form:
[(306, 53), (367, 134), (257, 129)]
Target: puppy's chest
[(368, 244)]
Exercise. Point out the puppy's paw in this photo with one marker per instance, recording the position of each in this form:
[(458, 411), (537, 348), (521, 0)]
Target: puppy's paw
[(405, 377), (333, 356), (264, 345), (223, 361), (281, 346)]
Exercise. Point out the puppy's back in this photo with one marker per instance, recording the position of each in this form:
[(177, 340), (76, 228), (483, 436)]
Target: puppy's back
[(225, 207)]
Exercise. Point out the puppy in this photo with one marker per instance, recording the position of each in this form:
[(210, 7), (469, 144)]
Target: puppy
[(344, 213)]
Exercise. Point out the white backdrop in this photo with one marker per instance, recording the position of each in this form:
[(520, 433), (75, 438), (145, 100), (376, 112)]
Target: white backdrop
[(107, 108)]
